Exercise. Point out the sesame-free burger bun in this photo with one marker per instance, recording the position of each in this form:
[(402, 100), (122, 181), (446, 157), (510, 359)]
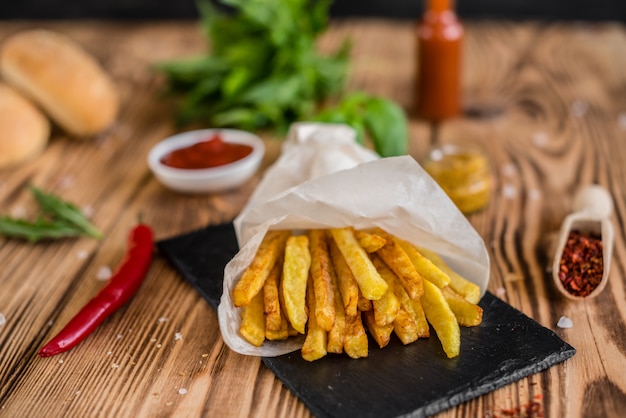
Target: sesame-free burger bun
[(24, 130), (61, 78)]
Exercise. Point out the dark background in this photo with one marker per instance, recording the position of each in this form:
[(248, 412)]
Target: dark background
[(596, 10)]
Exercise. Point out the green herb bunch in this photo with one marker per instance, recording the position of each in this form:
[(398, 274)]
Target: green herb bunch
[(262, 71), (59, 219)]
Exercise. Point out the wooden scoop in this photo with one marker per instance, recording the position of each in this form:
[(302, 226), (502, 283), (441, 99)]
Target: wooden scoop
[(592, 208)]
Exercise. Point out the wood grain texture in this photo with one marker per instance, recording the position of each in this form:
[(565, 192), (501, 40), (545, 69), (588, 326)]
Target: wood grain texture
[(546, 101)]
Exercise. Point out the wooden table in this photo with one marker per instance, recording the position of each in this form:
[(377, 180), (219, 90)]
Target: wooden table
[(548, 104)]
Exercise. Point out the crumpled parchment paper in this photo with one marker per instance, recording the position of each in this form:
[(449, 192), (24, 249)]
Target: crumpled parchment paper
[(324, 179)]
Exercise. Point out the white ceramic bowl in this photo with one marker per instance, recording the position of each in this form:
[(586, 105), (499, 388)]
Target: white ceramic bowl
[(206, 180)]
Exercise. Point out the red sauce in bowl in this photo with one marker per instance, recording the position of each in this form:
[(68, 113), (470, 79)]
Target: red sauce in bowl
[(212, 152)]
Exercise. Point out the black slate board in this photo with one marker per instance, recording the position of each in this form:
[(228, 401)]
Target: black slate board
[(417, 379)]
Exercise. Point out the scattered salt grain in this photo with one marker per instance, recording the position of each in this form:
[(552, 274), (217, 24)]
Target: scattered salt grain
[(109, 353), (579, 108), (564, 322), (508, 170), (119, 336), (182, 391), (162, 319), (18, 212), (65, 182), (205, 355), (534, 194), (509, 191), (500, 292), (81, 254), (621, 120), (540, 139), (3, 319), (104, 273), (61, 361), (87, 211), (178, 336), (115, 366), (153, 340)]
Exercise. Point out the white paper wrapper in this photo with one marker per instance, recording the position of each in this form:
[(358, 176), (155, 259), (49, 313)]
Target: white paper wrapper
[(324, 179)]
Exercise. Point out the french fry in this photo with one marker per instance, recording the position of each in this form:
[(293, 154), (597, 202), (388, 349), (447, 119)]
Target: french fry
[(426, 268), (442, 319), (458, 283), (371, 242), (333, 286), (399, 262), (405, 327), (254, 276), (336, 335), (467, 314), (363, 304), (252, 326), (423, 329), (370, 283), (415, 326), (273, 316), (381, 334), (280, 334), (385, 308), (355, 343), (294, 284), (348, 287), (315, 342), (323, 285)]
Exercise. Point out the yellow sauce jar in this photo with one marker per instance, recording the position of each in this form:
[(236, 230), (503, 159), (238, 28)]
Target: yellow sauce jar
[(463, 172)]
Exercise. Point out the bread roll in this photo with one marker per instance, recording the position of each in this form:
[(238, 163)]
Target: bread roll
[(62, 78), (24, 130)]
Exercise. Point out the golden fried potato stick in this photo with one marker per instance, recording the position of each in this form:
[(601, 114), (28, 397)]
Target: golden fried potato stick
[(423, 329), (442, 319), (253, 278), (348, 286), (458, 283), (273, 315), (323, 286), (405, 327), (315, 342), (337, 334), (467, 314), (426, 268), (370, 283), (294, 283), (282, 333), (385, 308), (381, 334), (371, 242), (355, 344), (399, 262), (363, 304), (418, 326), (252, 326)]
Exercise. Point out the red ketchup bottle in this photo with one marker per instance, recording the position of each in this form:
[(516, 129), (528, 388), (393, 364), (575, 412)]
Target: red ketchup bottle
[(440, 37)]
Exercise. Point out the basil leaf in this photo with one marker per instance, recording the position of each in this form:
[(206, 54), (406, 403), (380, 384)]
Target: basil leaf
[(387, 125)]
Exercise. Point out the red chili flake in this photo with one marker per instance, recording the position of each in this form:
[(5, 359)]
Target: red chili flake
[(532, 409), (581, 264)]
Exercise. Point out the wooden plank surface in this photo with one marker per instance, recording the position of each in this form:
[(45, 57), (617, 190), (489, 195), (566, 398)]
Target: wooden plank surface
[(548, 104)]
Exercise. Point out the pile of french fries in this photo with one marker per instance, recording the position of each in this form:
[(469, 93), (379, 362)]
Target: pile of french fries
[(334, 284)]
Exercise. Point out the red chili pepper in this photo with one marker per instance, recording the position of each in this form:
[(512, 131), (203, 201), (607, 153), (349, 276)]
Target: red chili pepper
[(121, 287), (581, 265)]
